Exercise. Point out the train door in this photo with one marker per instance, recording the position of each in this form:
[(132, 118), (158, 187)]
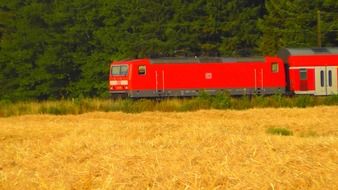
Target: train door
[(331, 80), (259, 81), (159, 82), (303, 79), (326, 80)]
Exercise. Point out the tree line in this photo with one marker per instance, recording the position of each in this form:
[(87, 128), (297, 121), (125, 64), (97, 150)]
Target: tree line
[(52, 49)]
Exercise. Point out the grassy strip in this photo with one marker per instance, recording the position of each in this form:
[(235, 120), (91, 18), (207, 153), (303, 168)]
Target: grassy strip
[(279, 131), (203, 101)]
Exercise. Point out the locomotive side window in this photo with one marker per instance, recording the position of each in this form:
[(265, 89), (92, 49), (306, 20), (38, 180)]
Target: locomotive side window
[(303, 74), (142, 70), (274, 67)]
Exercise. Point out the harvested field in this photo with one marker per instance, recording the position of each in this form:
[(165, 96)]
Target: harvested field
[(156, 150)]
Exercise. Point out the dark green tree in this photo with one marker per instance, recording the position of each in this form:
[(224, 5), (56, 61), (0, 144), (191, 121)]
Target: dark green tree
[(294, 24), (61, 49), (329, 24), (20, 49), (239, 27)]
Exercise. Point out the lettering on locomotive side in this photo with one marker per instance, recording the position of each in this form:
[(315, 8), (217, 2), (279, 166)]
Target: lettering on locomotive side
[(208, 76)]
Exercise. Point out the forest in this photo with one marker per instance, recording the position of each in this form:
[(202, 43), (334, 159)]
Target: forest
[(61, 49)]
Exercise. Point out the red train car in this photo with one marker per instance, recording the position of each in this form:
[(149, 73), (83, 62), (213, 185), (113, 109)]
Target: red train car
[(311, 71), (166, 77)]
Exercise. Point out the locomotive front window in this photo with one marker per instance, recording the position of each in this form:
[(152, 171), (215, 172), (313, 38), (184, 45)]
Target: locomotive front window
[(120, 70), (115, 70), (124, 70), (274, 67), (303, 74)]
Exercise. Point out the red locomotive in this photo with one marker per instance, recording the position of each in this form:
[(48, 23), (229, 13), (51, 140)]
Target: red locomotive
[(296, 71)]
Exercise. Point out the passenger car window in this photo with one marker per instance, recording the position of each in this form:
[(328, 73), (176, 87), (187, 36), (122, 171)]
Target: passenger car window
[(330, 78), (142, 70), (274, 67), (322, 78), (303, 74)]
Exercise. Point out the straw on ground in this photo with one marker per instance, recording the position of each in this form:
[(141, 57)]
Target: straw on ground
[(154, 150)]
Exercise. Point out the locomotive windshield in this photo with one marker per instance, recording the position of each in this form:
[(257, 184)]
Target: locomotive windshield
[(119, 70)]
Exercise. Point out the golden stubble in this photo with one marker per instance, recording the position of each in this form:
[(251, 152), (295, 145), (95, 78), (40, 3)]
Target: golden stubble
[(156, 150)]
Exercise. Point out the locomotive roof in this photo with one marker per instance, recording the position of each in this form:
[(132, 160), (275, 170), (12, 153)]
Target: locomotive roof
[(286, 52), (206, 60)]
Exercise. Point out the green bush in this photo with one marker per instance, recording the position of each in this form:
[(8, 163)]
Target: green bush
[(279, 131), (277, 100), (194, 104), (304, 101), (331, 100), (260, 101), (169, 105), (142, 105), (241, 103), (57, 110), (5, 102), (222, 100), (203, 101)]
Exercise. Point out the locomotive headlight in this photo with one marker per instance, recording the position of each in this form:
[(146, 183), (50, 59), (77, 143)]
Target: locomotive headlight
[(113, 82), (124, 82)]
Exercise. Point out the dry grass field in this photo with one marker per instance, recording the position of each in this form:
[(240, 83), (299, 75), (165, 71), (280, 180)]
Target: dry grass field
[(155, 150)]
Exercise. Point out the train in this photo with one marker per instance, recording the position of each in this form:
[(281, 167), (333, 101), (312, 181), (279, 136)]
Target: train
[(292, 71)]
